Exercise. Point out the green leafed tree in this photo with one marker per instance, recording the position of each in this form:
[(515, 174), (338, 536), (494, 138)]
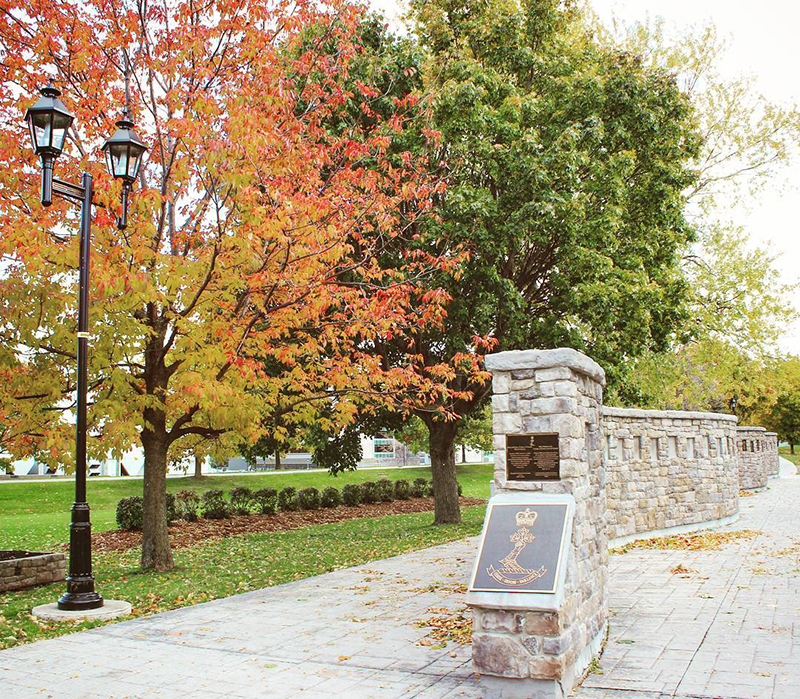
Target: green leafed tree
[(738, 305), (785, 418), (566, 164)]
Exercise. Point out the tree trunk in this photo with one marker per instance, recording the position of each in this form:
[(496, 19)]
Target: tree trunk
[(441, 439), (791, 447), (463, 454), (277, 461), (198, 466), (156, 552)]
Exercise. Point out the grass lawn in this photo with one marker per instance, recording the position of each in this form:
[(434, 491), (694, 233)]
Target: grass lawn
[(794, 458), (36, 516)]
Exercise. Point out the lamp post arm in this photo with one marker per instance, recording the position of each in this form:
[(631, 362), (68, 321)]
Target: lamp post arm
[(74, 193)]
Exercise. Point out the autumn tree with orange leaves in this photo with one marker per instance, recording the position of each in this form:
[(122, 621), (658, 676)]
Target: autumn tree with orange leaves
[(254, 232)]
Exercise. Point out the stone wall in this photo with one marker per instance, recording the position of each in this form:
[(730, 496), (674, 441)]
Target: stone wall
[(630, 474), (773, 458), (39, 569), (751, 459), (668, 470), (545, 391)]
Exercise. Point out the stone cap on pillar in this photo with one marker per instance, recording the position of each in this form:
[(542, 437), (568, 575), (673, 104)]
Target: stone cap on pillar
[(513, 360), (748, 428)]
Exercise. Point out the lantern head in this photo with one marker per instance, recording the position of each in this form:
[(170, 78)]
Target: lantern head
[(48, 121), (124, 151)]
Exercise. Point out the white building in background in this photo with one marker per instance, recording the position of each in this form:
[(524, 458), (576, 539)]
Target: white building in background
[(381, 450)]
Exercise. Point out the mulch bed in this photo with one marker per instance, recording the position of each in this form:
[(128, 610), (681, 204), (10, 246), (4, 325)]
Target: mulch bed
[(183, 534)]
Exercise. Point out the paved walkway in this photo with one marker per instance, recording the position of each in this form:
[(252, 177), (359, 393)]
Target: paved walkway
[(348, 633), (729, 628)]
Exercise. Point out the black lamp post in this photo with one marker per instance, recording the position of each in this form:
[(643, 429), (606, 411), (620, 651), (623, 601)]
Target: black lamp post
[(49, 121)]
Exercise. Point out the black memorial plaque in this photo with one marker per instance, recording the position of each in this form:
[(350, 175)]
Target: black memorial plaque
[(520, 550), (532, 457)]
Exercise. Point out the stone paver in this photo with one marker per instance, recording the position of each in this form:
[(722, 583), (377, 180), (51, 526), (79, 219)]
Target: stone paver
[(729, 629), (348, 633)]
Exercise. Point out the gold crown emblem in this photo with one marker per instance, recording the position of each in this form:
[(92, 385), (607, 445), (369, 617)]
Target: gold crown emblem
[(526, 518)]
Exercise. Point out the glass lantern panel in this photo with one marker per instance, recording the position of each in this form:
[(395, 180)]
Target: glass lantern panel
[(41, 130), (119, 160), (135, 162), (61, 123)]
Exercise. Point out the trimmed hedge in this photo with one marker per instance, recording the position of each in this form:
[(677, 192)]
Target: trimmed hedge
[(309, 499), (241, 500), (187, 503), (370, 492), (331, 497), (213, 505), (386, 490), (352, 494), (129, 512), (266, 500), (172, 510), (287, 499), (402, 490)]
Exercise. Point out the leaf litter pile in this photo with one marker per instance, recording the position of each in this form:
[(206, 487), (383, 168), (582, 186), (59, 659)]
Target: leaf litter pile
[(185, 534), (447, 625), (707, 541)]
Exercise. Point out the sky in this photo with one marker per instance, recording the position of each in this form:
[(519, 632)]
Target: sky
[(763, 43)]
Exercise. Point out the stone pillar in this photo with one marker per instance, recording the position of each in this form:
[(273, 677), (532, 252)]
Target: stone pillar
[(536, 646), (773, 458), (750, 461)]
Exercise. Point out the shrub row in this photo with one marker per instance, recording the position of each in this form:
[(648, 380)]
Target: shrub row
[(189, 506)]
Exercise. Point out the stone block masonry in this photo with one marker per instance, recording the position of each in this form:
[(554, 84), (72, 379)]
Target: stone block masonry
[(753, 461), (772, 457), (539, 649), (631, 473), (667, 470), (32, 570)]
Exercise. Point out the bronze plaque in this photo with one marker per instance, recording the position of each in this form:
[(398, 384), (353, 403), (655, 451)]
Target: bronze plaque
[(532, 457), (521, 548)]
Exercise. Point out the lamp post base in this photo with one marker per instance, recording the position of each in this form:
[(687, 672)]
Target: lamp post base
[(80, 601), (110, 609)]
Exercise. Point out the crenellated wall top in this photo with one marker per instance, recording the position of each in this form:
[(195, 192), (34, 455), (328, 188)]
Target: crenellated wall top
[(609, 411)]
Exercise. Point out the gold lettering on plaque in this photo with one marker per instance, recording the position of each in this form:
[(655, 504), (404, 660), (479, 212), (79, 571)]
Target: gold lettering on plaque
[(512, 573)]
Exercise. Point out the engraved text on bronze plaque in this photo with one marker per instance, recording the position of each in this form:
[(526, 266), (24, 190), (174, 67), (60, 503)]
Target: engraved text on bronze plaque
[(532, 457)]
